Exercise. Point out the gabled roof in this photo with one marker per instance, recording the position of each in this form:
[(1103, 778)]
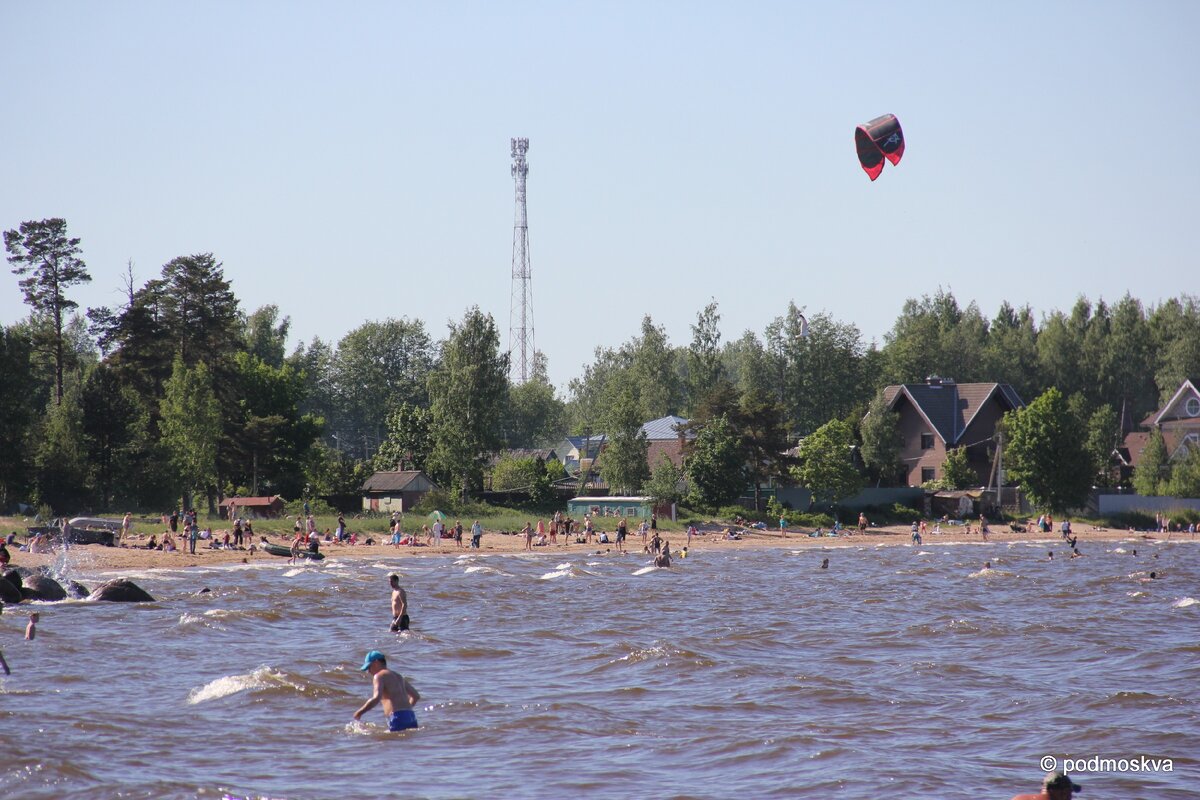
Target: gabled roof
[(664, 428), (544, 453), (251, 502), (396, 481), (950, 408), (1187, 388)]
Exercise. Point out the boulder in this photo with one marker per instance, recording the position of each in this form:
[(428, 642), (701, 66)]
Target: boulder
[(13, 576), (121, 590), (9, 593), (40, 587), (77, 590)]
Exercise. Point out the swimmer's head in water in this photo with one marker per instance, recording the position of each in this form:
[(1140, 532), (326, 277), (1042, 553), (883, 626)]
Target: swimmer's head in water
[(372, 657)]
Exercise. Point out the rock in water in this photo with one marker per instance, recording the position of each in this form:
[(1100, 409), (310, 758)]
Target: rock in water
[(9, 593), (13, 576), (121, 590), (39, 587), (77, 590)]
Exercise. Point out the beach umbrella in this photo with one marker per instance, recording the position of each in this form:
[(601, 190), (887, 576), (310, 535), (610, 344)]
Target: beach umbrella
[(437, 515)]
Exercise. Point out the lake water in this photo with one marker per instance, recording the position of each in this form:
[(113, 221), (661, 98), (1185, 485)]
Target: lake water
[(898, 672)]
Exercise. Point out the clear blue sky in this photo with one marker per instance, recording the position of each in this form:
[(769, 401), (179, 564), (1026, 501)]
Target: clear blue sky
[(350, 161)]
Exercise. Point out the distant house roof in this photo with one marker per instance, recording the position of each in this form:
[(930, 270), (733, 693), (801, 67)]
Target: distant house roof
[(664, 428), (404, 481), (950, 407), (545, 454), (252, 502)]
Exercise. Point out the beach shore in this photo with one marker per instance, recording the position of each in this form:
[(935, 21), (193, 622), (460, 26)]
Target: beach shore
[(130, 556)]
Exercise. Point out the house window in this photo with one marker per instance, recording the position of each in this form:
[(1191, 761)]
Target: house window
[(927, 441), (1192, 406), (926, 474)]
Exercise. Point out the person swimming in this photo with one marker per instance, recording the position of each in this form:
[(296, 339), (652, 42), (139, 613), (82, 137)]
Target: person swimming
[(825, 563)]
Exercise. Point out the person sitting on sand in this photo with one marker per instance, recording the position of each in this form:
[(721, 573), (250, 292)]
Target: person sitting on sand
[(1055, 786), (393, 690), (153, 543)]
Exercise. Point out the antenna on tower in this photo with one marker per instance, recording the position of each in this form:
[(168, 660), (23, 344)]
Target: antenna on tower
[(520, 315)]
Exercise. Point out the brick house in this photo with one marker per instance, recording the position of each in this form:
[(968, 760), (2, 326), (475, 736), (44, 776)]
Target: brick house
[(939, 415), (1179, 421)]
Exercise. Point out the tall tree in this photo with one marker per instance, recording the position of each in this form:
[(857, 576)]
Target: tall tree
[(935, 336), (61, 464), (1012, 350), (408, 443), (1046, 453), (191, 427), (623, 460), (1153, 466), (715, 465), (535, 414), (881, 440), (117, 440), (468, 391), (48, 262), (266, 335), (652, 370), (378, 366), (704, 365), (956, 470), (826, 467), (1175, 340), (19, 412), (1103, 429)]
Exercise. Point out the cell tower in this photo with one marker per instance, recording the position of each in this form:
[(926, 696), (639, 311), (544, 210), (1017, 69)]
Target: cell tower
[(520, 314)]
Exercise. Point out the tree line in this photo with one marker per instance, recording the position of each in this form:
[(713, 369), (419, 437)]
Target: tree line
[(178, 391)]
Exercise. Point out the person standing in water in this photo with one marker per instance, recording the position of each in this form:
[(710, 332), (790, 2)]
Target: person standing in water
[(393, 690), (399, 604)]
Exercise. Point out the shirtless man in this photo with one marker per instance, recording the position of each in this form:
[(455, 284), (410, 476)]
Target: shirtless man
[(1056, 786), (399, 604), (393, 689)]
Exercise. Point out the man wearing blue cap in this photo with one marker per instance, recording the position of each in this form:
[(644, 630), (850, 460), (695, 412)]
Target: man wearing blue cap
[(396, 693)]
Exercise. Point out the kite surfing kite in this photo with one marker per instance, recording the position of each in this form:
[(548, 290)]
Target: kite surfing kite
[(876, 140)]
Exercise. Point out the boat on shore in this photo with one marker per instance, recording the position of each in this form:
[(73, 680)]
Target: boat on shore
[(286, 552)]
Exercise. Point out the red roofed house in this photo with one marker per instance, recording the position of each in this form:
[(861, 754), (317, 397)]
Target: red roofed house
[(939, 415), (1179, 421), (252, 507)]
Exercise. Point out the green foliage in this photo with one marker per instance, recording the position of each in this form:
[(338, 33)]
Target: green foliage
[(329, 471), (19, 415), (61, 466), (881, 439), (663, 485), (535, 416), (623, 460), (408, 443), (1151, 472), (118, 439), (1185, 476), (49, 264), (511, 474), (956, 471), (468, 393), (715, 468), (265, 335), (1102, 435), (1045, 453), (826, 468), (703, 358), (191, 426), (900, 513)]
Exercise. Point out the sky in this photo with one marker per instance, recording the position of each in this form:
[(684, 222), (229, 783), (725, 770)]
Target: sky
[(350, 162)]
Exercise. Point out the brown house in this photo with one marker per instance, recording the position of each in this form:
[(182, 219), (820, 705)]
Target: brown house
[(395, 491), (939, 415), (252, 507), (1179, 421)]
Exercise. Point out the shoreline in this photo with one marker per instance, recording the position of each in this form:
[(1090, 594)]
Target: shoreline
[(108, 559)]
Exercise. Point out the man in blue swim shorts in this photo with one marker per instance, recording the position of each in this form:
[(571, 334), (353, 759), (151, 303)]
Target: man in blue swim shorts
[(393, 690)]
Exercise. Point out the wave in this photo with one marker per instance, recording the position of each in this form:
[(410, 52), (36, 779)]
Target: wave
[(1185, 602), (262, 680)]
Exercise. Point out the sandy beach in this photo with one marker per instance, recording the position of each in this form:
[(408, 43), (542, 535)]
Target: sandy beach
[(130, 556)]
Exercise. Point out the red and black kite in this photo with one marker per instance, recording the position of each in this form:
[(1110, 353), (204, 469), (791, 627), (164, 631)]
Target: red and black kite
[(879, 139)]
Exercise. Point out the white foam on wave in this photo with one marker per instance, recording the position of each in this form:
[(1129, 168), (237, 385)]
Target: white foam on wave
[(990, 573), (645, 570), (1185, 602), (558, 573), (924, 553), (1136, 594), (1118, 550), (260, 678), (564, 566), (291, 573)]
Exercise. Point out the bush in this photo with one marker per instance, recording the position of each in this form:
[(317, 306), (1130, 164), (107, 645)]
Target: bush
[(1182, 517), (1138, 520), (316, 507), (903, 514), (733, 512), (807, 520)]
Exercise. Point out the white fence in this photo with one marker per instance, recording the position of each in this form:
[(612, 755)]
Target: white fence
[(1119, 503)]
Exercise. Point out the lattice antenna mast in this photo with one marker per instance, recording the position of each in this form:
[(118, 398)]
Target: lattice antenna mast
[(520, 315)]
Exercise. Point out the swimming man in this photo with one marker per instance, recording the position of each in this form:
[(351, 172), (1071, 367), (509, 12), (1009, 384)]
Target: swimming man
[(393, 690)]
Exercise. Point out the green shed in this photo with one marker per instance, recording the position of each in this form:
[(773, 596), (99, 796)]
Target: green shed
[(610, 506)]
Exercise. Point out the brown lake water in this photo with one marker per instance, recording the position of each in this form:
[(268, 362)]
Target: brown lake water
[(898, 672)]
